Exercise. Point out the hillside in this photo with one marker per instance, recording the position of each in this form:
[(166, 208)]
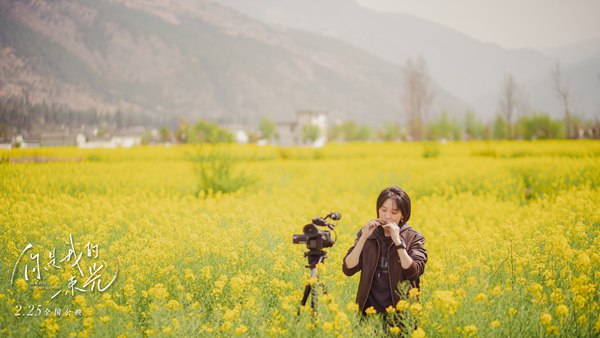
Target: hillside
[(472, 70), (195, 59)]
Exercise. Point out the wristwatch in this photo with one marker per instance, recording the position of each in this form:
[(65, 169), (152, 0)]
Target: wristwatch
[(400, 246)]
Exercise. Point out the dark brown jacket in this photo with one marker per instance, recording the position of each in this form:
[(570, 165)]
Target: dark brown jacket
[(367, 263)]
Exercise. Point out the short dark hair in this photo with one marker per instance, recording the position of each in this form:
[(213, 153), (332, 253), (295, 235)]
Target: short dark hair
[(400, 197)]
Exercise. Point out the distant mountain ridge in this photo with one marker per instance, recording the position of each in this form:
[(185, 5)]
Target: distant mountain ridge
[(195, 59), (470, 69)]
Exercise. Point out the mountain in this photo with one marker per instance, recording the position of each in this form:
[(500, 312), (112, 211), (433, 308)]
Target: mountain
[(582, 79), (470, 69), (583, 82), (195, 59), (574, 53)]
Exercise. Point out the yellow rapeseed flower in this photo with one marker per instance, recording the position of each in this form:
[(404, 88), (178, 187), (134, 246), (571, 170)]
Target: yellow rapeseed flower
[(129, 290), (402, 305), (495, 324), (414, 293), (416, 308), (370, 310), (352, 307), (173, 305), (395, 330), (240, 330), (552, 329), (481, 297), (418, 333), (21, 284), (159, 291), (545, 318), (562, 311), (470, 330), (226, 326)]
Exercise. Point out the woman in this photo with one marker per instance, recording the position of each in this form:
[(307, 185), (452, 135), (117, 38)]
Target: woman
[(387, 251)]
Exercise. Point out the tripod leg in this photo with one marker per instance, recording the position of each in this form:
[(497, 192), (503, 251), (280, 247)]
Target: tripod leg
[(313, 301), (307, 291)]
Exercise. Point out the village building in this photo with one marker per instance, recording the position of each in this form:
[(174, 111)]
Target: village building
[(294, 133)]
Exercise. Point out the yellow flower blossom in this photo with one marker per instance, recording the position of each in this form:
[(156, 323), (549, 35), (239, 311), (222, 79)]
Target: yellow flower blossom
[(481, 297), (402, 305), (418, 333), (562, 311), (159, 291), (240, 330), (224, 261), (352, 307), (414, 293), (370, 310), (21, 284), (416, 308), (470, 330), (545, 318), (552, 329), (173, 305)]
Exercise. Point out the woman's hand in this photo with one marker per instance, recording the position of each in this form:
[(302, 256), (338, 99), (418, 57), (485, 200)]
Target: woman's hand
[(368, 229), (394, 231)]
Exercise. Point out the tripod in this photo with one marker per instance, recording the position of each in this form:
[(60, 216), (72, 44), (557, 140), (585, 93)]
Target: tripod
[(314, 257)]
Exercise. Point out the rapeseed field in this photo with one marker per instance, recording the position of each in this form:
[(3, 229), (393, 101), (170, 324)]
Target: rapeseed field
[(130, 243)]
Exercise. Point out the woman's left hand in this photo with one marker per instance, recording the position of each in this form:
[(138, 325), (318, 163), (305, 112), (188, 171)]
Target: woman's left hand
[(394, 230)]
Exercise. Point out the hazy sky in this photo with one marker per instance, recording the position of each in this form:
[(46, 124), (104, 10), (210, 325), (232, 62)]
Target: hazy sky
[(508, 23)]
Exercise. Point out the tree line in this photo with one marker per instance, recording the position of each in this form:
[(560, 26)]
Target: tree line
[(19, 116), (513, 120)]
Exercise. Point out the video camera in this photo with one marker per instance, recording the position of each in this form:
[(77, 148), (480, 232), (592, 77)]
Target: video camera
[(316, 239)]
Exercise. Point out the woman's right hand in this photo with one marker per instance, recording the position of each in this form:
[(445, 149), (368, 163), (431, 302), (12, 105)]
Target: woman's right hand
[(368, 229)]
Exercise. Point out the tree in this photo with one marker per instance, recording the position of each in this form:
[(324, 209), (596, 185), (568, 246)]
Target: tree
[(444, 128), (310, 132), (391, 132), (349, 131), (165, 134), (266, 128), (417, 98), (562, 92), (208, 132), (510, 102), (499, 128), (473, 127), (540, 127), (182, 131)]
